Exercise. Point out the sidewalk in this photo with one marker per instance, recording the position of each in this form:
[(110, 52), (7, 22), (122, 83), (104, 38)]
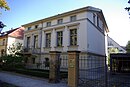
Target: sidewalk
[(27, 81)]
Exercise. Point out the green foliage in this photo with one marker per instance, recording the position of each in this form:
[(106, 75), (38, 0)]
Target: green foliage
[(15, 59), (111, 50), (15, 48), (128, 47), (3, 4), (11, 62), (33, 73)]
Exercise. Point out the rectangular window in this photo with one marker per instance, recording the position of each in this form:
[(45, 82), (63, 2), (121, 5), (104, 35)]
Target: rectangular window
[(59, 38), (36, 41), (94, 18), (60, 21), (29, 28), (48, 24), (28, 42), (73, 18), (36, 26), (3, 41), (48, 39), (73, 37), (98, 21), (33, 60)]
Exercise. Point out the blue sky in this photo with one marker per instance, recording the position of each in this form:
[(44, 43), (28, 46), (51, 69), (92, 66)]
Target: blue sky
[(25, 11)]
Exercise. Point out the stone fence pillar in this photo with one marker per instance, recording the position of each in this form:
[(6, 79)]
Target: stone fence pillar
[(54, 72), (73, 68)]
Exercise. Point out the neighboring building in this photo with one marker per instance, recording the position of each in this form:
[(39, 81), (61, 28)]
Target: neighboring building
[(7, 38), (114, 45), (83, 30)]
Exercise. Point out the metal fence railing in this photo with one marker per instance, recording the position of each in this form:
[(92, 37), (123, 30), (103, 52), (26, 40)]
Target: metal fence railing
[(92, 71)]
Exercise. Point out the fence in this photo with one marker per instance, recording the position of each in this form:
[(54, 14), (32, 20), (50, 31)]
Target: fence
[(92, 71)]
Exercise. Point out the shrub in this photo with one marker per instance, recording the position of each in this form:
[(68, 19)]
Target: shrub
[(33, 73)]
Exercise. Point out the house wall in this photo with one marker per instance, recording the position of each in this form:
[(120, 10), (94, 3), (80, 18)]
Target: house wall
[(112, 44), (95, 38), (80, 24), (31, 34), (90, 36), (3, 46), (13, 40)]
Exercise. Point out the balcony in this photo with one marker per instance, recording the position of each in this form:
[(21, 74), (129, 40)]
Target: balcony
[(36, 50), (31, 50), (27, 50)]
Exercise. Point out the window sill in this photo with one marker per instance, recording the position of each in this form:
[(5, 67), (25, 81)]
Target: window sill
[(47, 47), (59, 46), (73, 47)]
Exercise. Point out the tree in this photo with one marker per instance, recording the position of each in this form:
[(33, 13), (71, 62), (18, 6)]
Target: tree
[(128, 8), (4, 5), (128, 47), (111, 50), (15, 58), (15, 48)]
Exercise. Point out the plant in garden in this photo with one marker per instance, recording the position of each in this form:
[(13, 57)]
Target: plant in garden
[(15, 58)]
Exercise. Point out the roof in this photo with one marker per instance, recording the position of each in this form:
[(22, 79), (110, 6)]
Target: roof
[(17, 33), (88, 8), (6, 32), (116, 43), (120, 55)]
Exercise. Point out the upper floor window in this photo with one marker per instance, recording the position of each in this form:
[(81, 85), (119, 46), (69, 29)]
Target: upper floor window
[(73, 18), (36, 26), (59, 38), (94, 18), (29, 28), (73, 37), (3, 41), (98, 21), (48, 39), (36, 41), (48, 24), (60, 21), (28, 42), (110, 44)]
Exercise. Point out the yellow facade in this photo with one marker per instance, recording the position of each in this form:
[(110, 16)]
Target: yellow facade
[(3, 45)]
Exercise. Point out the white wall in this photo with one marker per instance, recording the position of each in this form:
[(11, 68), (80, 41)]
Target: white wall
[(89, 37), (12, 40), (115, 45), (95, 38)]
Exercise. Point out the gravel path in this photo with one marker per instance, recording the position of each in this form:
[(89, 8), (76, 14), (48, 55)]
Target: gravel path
[(27, 81)]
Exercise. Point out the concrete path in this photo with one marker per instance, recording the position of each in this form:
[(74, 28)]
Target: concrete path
[(27, 81)]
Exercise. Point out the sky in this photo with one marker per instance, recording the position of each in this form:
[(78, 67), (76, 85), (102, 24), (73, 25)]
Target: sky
[(26, 11)]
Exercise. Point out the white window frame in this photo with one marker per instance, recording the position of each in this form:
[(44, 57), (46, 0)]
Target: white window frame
[(59, 38), (73, 37), (73, 18), (48, 40)]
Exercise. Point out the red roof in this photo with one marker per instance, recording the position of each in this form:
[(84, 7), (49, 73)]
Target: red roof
[(17, 33)]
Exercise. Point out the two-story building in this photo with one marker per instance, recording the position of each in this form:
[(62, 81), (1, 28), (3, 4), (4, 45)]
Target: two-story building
[(7, 38), (82, 29)]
